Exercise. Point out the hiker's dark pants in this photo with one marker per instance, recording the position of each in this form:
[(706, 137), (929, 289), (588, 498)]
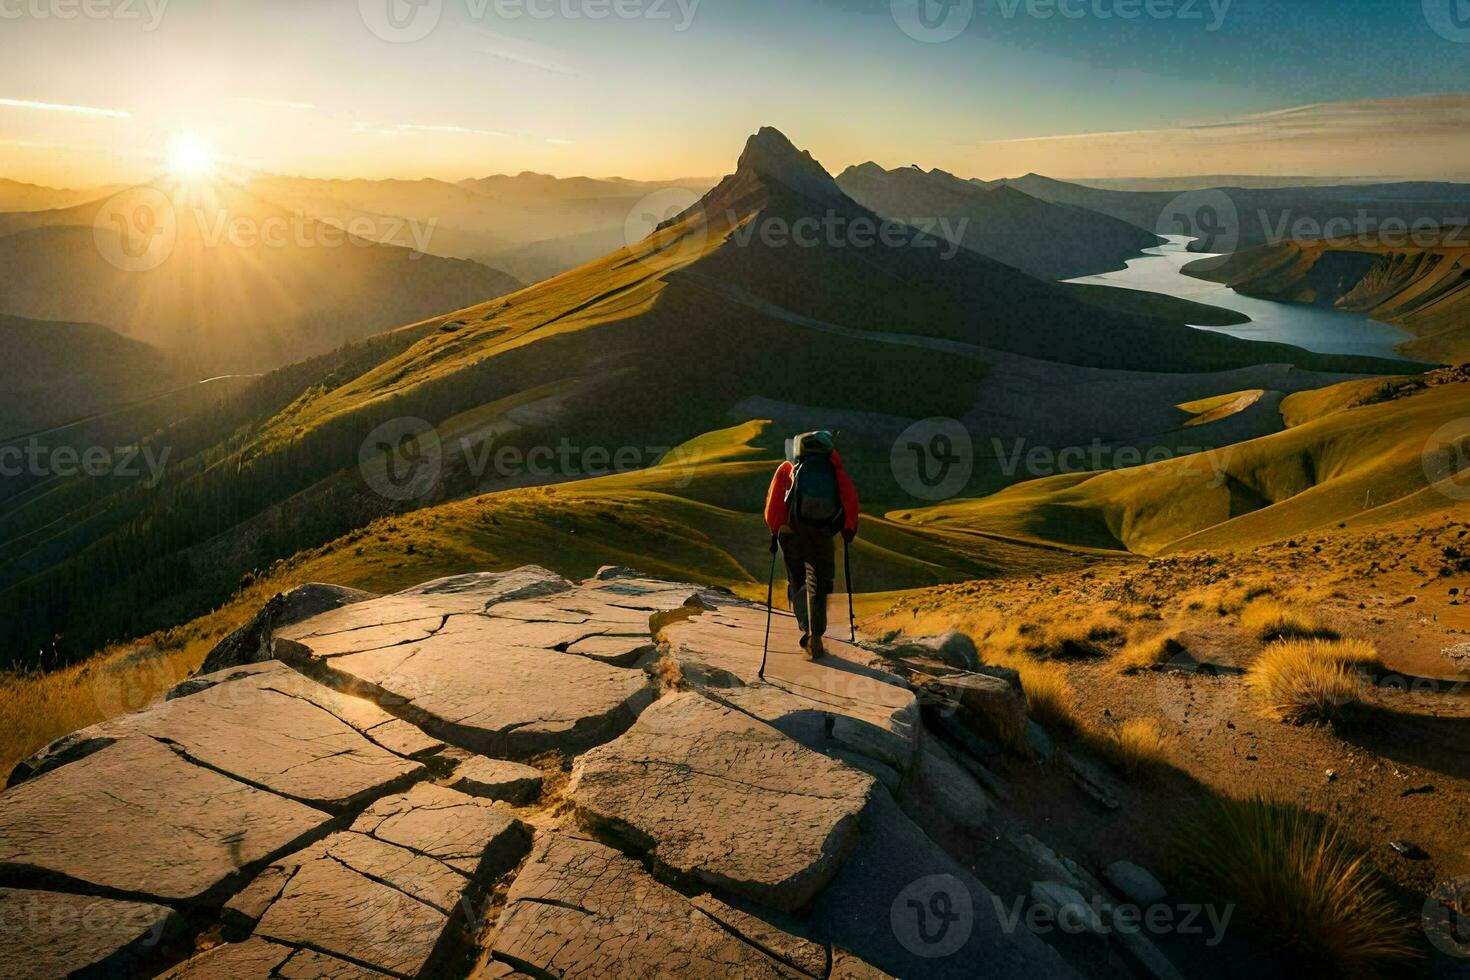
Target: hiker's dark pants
[(811, 568)]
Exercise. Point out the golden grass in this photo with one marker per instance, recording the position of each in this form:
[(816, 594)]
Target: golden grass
[(1300, 682), (1147, 654), (1138, 745), (1302, 885), (1049, 698), (1273, 620)]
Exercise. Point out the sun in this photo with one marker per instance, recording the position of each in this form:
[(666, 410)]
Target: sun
[(190, 157)]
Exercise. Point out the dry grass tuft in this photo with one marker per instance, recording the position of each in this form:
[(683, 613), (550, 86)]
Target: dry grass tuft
[(1302, 884), (1302, 681), (1147, 654), (1049, 699), (1272, 620), (1138, 745)]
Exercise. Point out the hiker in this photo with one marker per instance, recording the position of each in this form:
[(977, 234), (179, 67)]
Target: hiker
[(811, 500)]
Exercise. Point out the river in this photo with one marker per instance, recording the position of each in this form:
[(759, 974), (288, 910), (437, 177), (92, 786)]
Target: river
[(1310, 327)]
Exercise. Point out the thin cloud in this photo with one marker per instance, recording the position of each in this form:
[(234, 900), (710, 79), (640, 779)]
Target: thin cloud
[(416, 128), (528, 53), (277, 104), (559, 142), (81, 110)]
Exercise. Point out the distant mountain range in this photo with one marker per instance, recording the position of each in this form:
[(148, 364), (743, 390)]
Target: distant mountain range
[(221, 278), (1046, 240), (1224, 219), (531, 225)]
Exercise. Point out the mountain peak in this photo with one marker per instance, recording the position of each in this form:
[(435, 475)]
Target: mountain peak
[(769, 155)]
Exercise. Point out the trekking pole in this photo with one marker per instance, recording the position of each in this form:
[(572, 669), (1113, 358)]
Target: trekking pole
[(770, 597), (847, 574)]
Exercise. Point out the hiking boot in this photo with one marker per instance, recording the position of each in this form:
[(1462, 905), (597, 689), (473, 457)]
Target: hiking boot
[(814, 648), (805, 639)]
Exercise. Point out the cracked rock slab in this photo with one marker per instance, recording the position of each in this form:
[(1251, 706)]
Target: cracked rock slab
[(473, 836), (472, 686), (581, 909), (259, 958), (138, 819), (496, 779), (49, 934), (367, 902), (714, 793), (282, 732)]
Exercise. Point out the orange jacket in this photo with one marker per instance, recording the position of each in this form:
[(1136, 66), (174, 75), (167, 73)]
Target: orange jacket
[(776, 514)]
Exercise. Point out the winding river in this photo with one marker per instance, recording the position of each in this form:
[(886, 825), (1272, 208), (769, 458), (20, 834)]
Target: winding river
[(1310, 327)]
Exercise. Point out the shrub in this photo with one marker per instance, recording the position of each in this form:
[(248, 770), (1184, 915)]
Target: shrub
[(1048, 692), (1079, 639), (1302, 885), (1148, 654), (1272, 620), (1138, 745), (1301, 684)]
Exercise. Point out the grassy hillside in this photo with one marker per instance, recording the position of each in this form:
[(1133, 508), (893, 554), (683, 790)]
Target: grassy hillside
[(1343, 465), (693, 517), (1420, 287)]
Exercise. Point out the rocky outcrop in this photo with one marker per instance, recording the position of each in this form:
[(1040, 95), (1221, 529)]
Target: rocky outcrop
[(581, 909), (713, 793), (251, 643), (355, 808)]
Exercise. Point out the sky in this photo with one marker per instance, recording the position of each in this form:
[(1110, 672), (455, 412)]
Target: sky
[(97, 91)]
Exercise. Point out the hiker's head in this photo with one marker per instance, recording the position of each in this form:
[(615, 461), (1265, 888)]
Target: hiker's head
[(820, 443)]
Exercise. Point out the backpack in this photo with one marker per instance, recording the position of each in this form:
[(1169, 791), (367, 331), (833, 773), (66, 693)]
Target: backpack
[(814, 499)]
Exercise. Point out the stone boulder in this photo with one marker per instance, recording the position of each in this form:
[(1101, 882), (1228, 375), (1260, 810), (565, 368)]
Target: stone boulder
[(139, 818), (715, 794), (581, 909), (1134, 883), (262, 958), (953, 649), (49, 934), (251, 643), (992, 706)]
